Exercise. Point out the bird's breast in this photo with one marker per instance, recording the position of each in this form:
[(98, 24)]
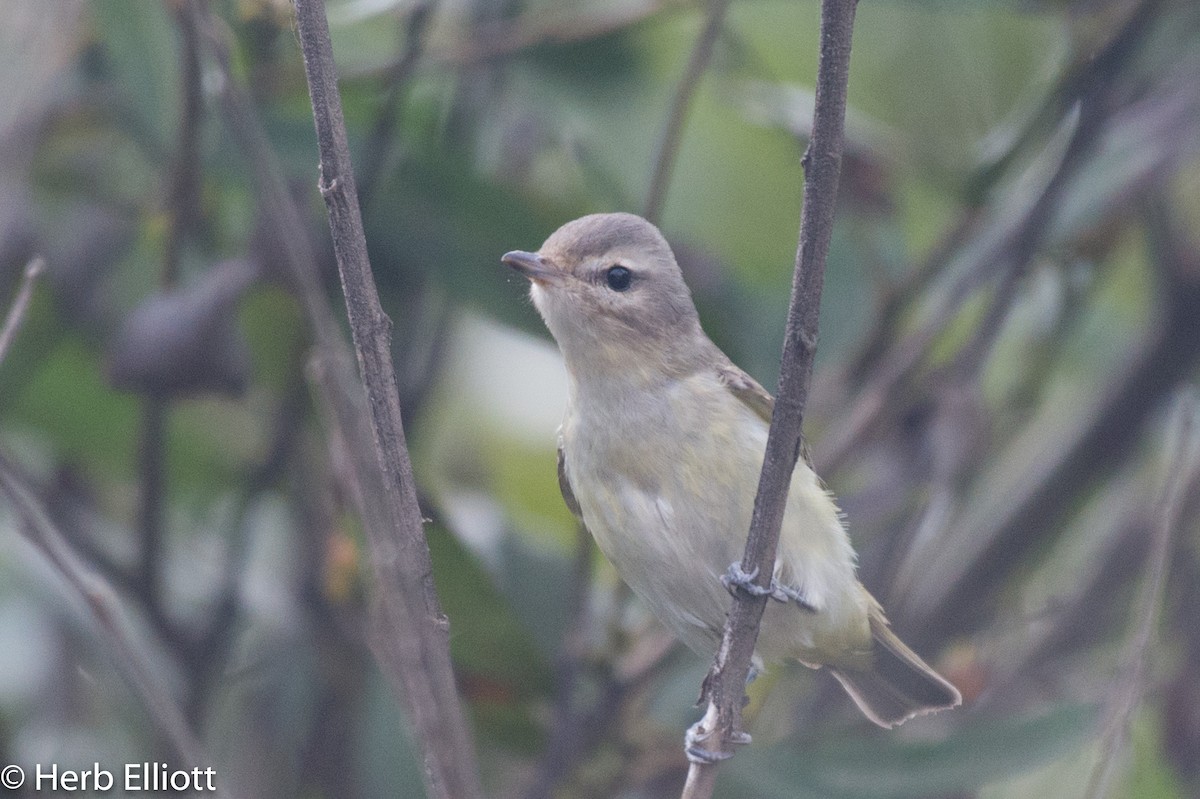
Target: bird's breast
[(665, 481)]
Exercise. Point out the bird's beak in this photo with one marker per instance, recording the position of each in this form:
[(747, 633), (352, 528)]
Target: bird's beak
[(533, 266)]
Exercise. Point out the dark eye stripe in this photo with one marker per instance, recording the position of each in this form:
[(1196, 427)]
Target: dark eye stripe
[(618, 278)]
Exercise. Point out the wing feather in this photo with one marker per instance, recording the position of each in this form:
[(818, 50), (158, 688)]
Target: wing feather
[(745, 388), (564, 483)]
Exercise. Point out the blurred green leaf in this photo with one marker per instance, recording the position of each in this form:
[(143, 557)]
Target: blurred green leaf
[(140, 61), (888, 767), (500, 668), (68, 401)]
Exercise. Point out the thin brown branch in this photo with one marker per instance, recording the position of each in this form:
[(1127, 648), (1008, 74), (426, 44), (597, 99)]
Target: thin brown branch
[(212, 645), (20, 305), (184, 184), (509, 38), (566, 726), (724, 686), (410, 634), (182, 190), (1183, 466), (668, 145), (152, 494), (411, 629), (113, 629)]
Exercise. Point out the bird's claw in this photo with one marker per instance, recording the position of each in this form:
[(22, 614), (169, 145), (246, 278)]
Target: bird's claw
[(698, 754), (735, 577)]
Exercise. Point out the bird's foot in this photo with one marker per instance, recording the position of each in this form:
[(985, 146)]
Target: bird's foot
[(736, 577), (698, 733)]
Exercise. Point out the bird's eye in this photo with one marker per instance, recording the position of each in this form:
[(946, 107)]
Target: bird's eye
[(618, 278)]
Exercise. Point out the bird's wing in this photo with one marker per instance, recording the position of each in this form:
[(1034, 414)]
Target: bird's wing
[(745, 388), (564, 484), (749, 391)]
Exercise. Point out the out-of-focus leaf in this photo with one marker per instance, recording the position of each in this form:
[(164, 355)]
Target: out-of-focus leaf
[(140, 61), (68, 400), (499, 668), (1150, 776), (387, 765), (443, 221), (888, 767)]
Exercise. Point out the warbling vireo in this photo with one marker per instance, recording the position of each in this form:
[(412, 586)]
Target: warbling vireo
[(660, 453)]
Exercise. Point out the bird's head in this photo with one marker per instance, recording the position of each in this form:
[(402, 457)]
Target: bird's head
[(610, 291)]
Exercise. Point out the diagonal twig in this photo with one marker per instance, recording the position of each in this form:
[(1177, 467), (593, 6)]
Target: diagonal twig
[(102, 602), (668, 145), (1183, 467), (20, 305), (724, 685)]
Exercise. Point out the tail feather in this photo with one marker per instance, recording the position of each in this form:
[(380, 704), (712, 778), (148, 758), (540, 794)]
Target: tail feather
[(898, 684)]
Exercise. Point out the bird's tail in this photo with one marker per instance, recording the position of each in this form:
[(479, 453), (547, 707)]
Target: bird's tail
[(898, 684)]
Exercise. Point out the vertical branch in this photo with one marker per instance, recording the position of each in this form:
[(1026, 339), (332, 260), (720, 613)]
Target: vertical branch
[(185, 171), (725, 683), (565, 742), (668, 145), (409, 620), (155, 411), (152, 457)]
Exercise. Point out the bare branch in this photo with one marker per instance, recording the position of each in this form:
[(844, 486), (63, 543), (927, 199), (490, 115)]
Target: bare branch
[(20, 305), (668, 145), (152, 455), (101, 600), (505, 39), (410, 633), (726, 679), (567, 725), (1091, 90), (409, 622)]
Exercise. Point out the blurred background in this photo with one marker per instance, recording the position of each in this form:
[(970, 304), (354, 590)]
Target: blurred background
[(1010, 332)]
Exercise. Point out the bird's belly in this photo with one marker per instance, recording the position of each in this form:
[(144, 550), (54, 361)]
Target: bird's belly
[(671, 512)]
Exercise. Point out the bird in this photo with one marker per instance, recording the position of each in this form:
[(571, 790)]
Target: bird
[(659, 453)]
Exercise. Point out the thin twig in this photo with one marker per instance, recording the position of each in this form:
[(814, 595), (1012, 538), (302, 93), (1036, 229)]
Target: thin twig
[(212, 645), (970, 574), (20, 304), (668, 145), (375, 150), (567, 724), (724, 685), (1181, 472), (155, 411), (509, 38), (183, 187), (410, 637), (409, 620), (1094, 86), (152, 489), (114, 630)]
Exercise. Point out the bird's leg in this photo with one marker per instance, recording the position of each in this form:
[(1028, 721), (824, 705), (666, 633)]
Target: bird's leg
[(736, 577)]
